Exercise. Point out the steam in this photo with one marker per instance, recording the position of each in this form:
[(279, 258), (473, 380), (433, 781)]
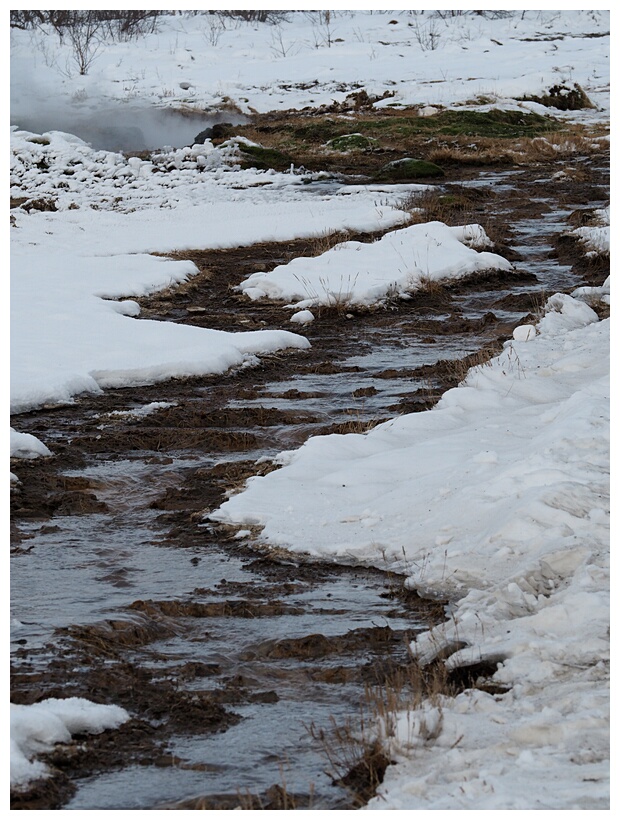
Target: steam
[(111, 126)]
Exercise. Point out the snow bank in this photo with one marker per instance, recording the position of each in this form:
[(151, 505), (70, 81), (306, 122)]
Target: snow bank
[(65, 340), (358, 273), (501, 456), (25, 445), (596, 237), (36, 728), (498, 500), (72, 331)]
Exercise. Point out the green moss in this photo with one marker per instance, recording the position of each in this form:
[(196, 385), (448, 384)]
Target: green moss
[(351, 142), (495, 124), (319, 131), (256, 156), (405, 169)]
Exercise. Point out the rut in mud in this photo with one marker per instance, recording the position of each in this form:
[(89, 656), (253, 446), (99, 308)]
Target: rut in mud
[(234, 661)]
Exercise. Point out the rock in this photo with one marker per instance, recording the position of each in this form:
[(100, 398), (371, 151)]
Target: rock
[(201, 138), (218, 131)]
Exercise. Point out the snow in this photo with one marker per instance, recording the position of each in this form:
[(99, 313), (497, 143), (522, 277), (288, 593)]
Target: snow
[(497, 499), (66, 340), (36, 728), (25, 445), (596, 237), (302, 61), (524, 333), (358, 273), (68, 279), (140, 412), (302, 317)]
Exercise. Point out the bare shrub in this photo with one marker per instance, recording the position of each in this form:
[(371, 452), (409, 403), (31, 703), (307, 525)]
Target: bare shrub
[(115, 25), (88, 31), (322, 26), (257, 15), (86, 41), (427, 34)]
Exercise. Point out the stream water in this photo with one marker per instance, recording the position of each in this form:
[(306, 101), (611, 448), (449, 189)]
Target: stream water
[(277, 644)]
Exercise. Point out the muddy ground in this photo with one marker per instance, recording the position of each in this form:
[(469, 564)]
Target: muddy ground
[(230, 420)]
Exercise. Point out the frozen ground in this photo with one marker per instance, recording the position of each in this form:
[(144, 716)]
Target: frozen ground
[(498, 498)]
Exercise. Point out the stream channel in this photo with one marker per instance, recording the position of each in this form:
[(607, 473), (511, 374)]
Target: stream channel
[(247, 673)]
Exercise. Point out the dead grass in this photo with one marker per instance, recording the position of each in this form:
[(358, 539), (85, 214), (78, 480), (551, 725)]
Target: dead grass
[(485, 153), (355, 425), (355, 760), (457, 370), (457, 205), (431, 286), (451, 138), (164, 439), (111, 637), (574, 140), (328, 240), (157, 610), (357, 753)]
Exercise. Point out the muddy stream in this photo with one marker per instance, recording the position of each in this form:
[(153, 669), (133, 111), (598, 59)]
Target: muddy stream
[(246, 673)]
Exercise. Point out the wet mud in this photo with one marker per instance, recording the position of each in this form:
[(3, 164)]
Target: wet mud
[(239, 665)]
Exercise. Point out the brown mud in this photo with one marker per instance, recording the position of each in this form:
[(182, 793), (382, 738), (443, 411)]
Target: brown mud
[(203, 446)]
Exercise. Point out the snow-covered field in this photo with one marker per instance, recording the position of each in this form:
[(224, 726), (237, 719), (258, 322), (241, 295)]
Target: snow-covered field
[(404, 58), (497, 499)]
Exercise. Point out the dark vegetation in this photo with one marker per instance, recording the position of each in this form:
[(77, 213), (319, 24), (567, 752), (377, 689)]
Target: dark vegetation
[(424, 146), (115, 25), (564, 98)]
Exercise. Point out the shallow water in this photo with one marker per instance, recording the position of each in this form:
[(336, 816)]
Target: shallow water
[(84, 569), (272, 743)]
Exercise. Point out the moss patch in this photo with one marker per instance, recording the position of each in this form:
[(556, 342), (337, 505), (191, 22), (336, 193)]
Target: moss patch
[(320, 130), (351, 142), (321, 141), (404, 169), (494, 124), (256, 156)]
